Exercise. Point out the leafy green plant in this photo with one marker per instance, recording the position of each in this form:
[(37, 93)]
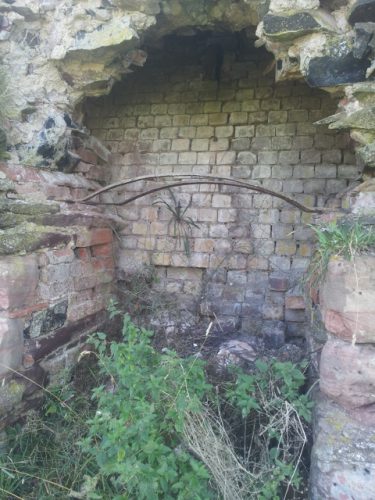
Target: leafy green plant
[(182, 224), (342, 239), (135, 433), (156, 428)]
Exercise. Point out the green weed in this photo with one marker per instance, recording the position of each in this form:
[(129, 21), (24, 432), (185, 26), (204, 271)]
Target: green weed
[(156, 428), (339, 239), (182, 224)]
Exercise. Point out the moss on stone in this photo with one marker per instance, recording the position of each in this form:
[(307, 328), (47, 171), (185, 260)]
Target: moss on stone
[(27, 208), (15, 212), (10, 394), (28, 237)]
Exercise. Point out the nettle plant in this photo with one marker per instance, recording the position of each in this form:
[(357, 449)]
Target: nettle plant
[(157, 427), (162, 430)]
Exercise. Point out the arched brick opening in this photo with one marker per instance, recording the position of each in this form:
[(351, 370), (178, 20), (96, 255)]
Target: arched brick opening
[(206, 103)]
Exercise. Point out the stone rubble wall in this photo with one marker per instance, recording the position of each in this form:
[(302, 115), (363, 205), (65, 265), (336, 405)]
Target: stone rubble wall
[(56, 275), (343, 457), (250, 249), (54, 53)]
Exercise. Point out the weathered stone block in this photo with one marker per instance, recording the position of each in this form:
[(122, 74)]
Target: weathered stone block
[(362, 11), (279, 284), (348, 297), (294, 302), (218, 118), (11, 344), (329, 71), (343, 455), (347, 375), (18, 281), (94, 237)]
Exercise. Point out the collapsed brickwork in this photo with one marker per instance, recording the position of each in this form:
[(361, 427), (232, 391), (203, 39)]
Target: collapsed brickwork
[(247, 250), (56, 271)]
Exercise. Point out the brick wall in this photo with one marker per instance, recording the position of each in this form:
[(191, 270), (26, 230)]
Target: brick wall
[(250, 248), (56, 274)]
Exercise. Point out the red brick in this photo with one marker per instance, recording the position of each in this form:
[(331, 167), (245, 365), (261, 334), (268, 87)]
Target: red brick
[(84, 253), (94, 237), (102, 250), (295, 302)]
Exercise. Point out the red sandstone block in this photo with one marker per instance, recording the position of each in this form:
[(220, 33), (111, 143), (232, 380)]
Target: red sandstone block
[(295, 302), (278, 284), (106, 277), (102, 250), (78, 193), (96, 173), (84, 283), (26, 311), (87, 156), (103, 264), (84, 253), (59, 255), (347, 374), (94, 237), (85, 309), (21, 174)]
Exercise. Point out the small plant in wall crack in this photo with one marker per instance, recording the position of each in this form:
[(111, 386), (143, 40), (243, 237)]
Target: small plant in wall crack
[(182, 223), (345, 239)]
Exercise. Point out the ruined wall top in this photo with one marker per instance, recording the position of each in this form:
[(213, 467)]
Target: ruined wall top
[(54, 53)]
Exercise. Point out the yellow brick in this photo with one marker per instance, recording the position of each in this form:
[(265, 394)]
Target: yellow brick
[(203, 245), (161, 259), (140, 228), (285, 247)]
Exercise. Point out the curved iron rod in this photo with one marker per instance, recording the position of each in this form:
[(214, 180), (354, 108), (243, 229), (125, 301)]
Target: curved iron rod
[(233, 182), (222, 183)]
